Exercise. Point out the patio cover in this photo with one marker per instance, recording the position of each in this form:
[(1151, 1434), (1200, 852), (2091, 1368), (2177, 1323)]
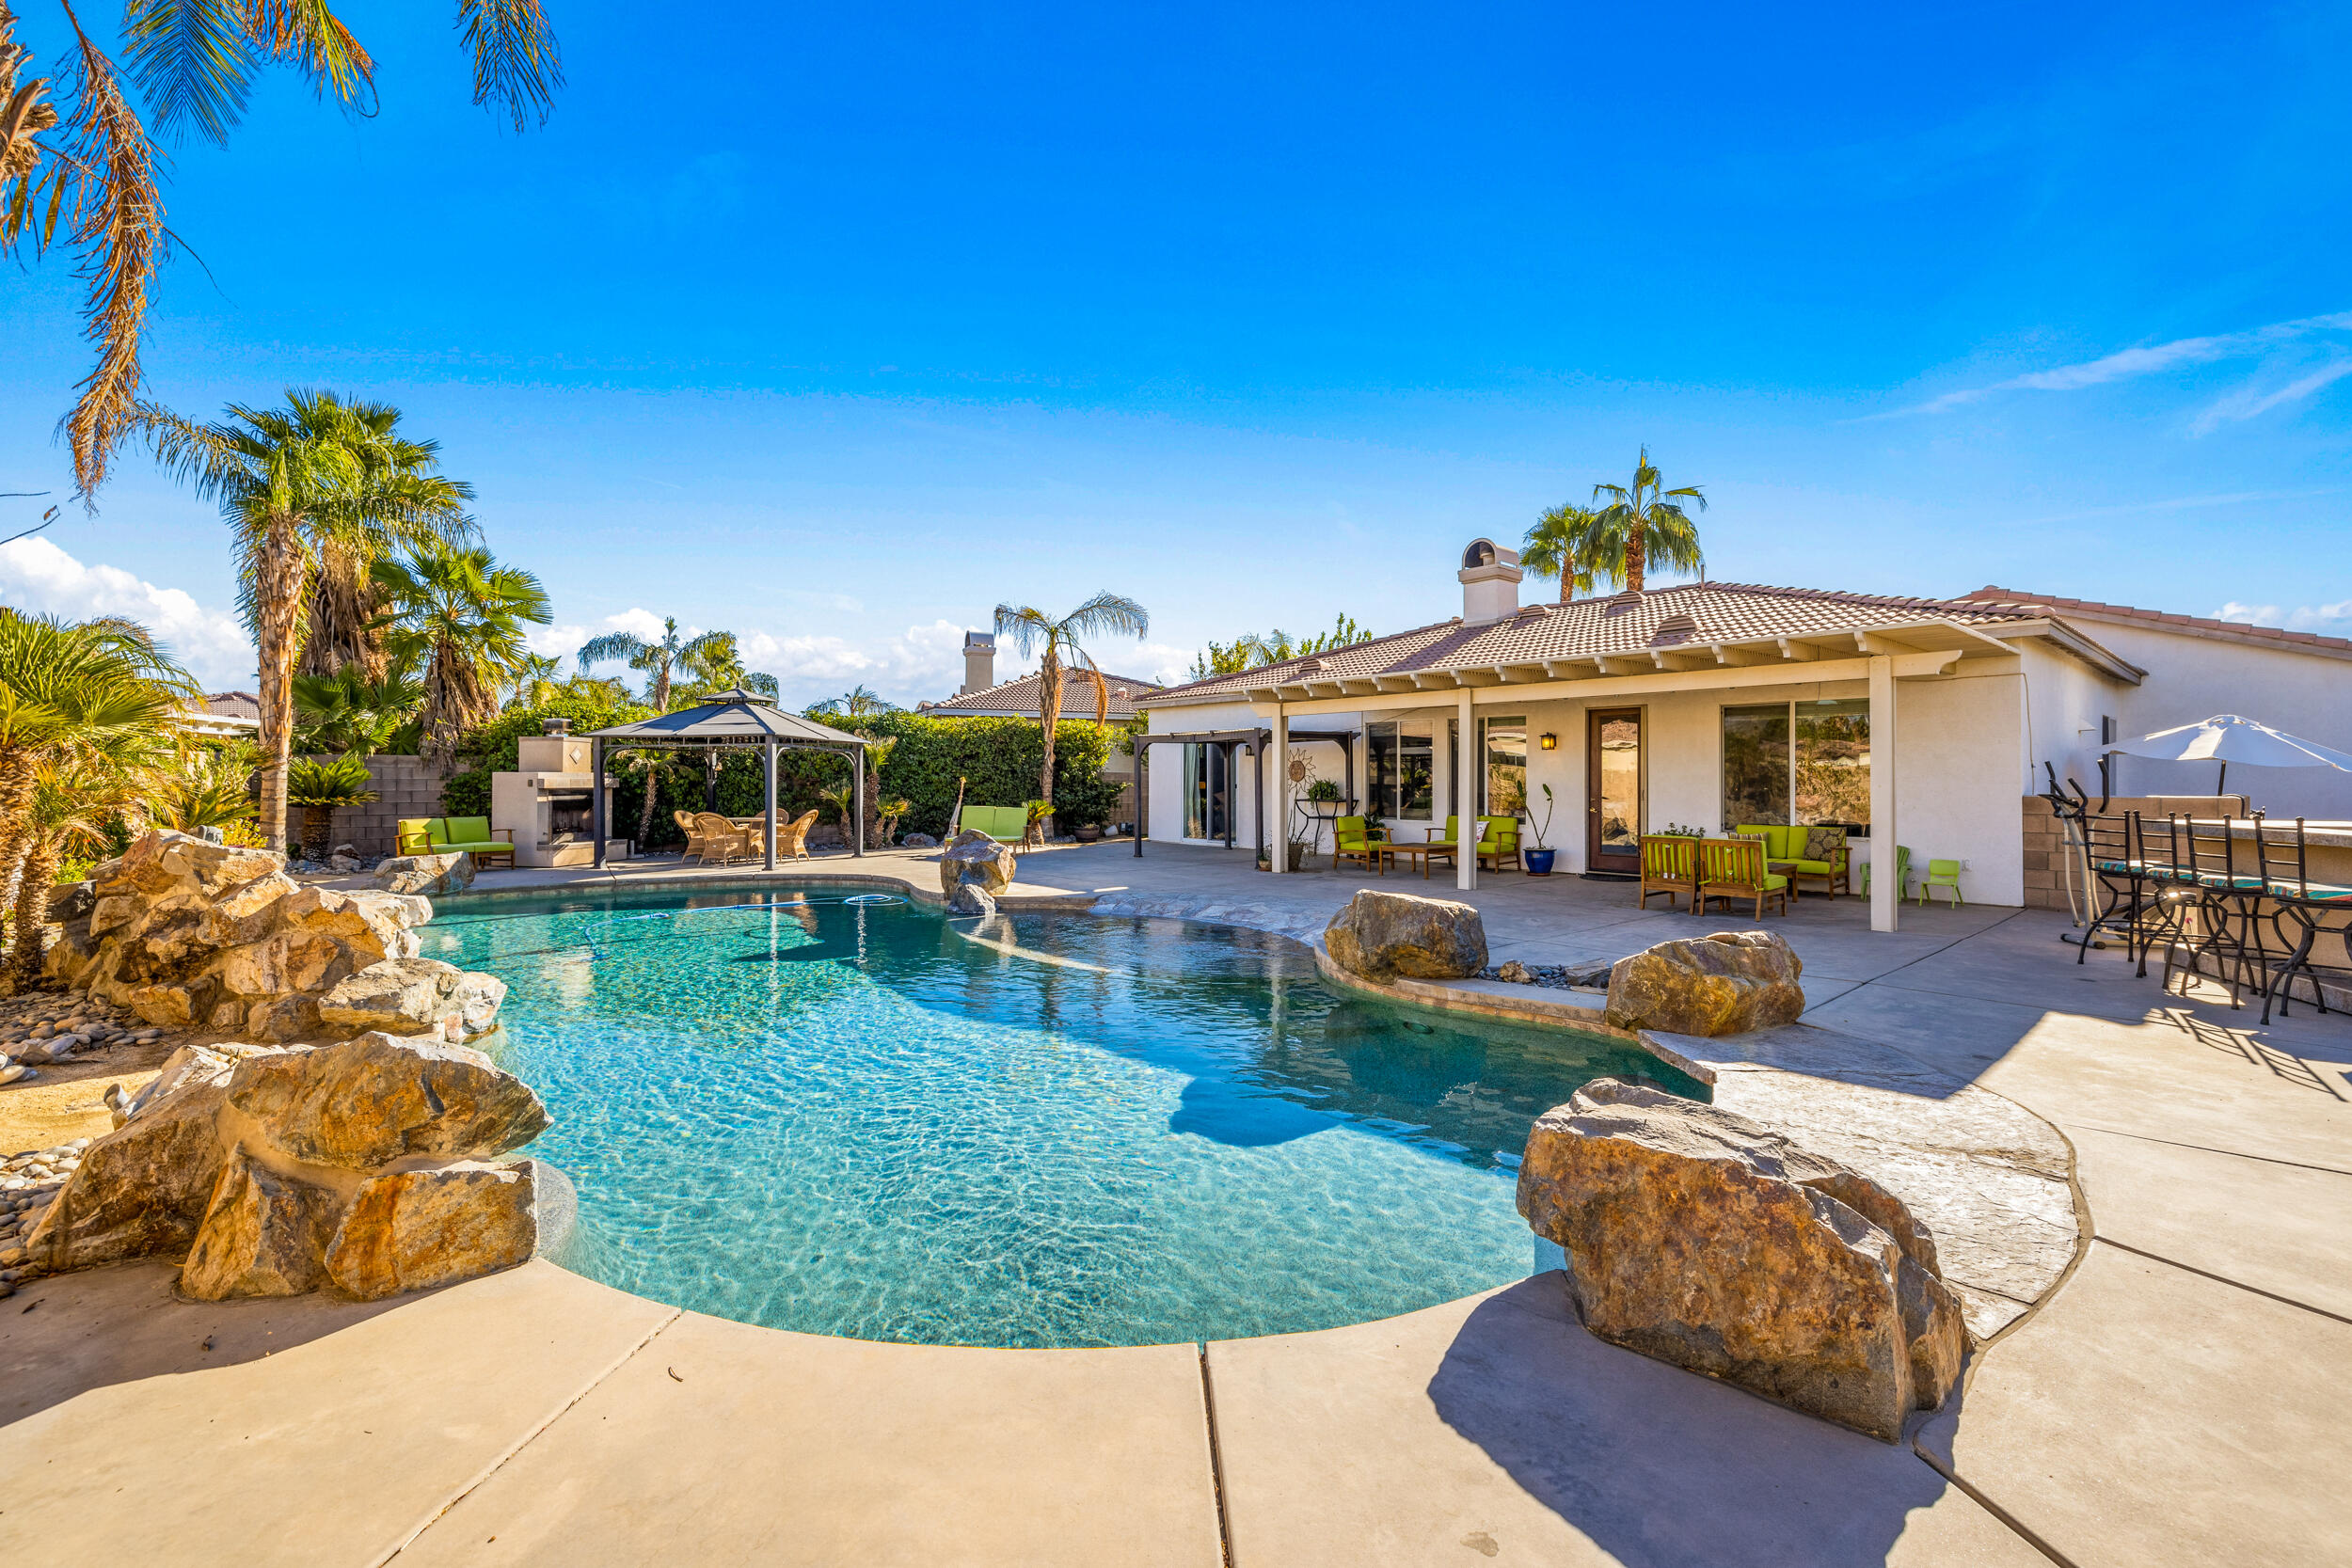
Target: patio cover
[(1252, 741), (730, 718)]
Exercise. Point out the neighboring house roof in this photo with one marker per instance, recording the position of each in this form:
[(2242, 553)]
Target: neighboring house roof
[(1700, 619), (2156, 620), (234, 704), (1020, 698)]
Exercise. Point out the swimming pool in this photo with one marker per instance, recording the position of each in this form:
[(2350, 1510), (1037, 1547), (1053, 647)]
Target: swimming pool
[(848, 1114)]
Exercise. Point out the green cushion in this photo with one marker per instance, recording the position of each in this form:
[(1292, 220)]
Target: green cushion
[(1773, 882), (415, 825), (1811, 868), (476, 846), (1780, 842), (468, 830)]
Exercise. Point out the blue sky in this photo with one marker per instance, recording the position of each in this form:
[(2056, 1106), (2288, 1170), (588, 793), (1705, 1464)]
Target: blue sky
[(835, 329)]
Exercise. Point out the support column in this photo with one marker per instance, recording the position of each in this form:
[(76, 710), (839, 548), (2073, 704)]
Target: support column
[(1281, 745), (1466, 797), (1887, 890), (1143, 790), (768, 790), (596, 813), (857, 828), (710, 778)]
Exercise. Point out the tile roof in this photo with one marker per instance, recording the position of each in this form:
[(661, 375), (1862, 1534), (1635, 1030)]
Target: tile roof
[(2093, 609), (1019, 697), (234, 704), (1697, 613)]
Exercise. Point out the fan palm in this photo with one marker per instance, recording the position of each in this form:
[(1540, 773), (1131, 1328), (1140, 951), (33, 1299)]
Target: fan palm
[(715, 665), (1570, 543), (459, 616), (1652, 523), (293, 484), (94, 185), (1059, 640), (341, 616), (74, 799), (659, 660), (347, 711), (69, 691), (537, 680), (859, 702)]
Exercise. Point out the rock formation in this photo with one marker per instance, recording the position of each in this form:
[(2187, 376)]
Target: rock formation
[(974, 857), (1382, 935), (968, 898), (1707, 1240), (366, 1165), (193, 935), (1719, 984), (428, 875)]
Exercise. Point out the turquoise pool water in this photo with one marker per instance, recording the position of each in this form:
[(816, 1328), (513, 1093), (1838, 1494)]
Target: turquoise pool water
[(850, 1117)]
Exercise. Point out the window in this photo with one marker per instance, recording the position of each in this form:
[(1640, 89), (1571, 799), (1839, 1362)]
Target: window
[(1503, 787), (1402, 758), (1803, 762)]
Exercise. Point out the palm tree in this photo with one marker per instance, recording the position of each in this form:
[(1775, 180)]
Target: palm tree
[(537, 680), (92, 188), (292, 484), (716, 665), (207, 786), (67, 690), (74, 798), (1055, 641), (1646, 513), (341, 616), (347, 711), (1569, 542), (660, 660), (460, 616), (859, 702)]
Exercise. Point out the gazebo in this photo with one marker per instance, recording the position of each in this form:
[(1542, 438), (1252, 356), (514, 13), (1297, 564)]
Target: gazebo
[(733, 719)]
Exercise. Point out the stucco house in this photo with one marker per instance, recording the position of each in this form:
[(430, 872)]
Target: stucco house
[(1712, 705)]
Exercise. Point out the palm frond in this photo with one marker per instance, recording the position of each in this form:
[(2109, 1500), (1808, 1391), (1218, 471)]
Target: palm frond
[(307, 35), (118, 228), (516, 60), (193, 61)]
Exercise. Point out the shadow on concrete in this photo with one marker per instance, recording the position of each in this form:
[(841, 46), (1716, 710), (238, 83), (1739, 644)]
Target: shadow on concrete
[(1659, 1467), (63, 1337)]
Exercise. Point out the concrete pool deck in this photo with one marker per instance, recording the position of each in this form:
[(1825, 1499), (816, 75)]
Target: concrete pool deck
[(2179, 1397)]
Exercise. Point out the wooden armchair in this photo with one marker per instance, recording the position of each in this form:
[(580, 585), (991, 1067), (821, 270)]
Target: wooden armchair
[(1669, 866), (721, 840), (1733, 870), (1498, 841), (1352, 840)]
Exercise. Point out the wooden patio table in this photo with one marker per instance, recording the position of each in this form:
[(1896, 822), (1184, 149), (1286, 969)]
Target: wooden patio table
[(1421, 851)]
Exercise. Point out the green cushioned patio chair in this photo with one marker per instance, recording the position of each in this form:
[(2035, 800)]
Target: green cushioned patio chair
[(1005, 824), (1498, 841), (1669, 865), (1785, 847), (1733, 870), (1353, 839)]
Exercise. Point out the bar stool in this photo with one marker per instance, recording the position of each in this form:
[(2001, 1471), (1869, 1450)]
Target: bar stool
[(2114, 855), (2298, 902), (2224, 889)]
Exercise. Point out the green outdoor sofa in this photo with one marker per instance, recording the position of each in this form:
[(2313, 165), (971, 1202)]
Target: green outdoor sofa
[(447, 835), (1785, 852), (1005, 824)]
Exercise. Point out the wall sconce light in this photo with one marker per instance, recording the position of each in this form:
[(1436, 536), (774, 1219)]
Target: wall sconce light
[(1550, 742)]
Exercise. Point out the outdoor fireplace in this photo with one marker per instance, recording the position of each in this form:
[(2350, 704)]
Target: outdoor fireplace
[(546, 801)]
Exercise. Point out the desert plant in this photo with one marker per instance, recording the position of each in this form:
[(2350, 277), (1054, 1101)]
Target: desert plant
[(1057, 641), (351, 711), (458, 616), (318, 787), (209, 786), (1535, 831)]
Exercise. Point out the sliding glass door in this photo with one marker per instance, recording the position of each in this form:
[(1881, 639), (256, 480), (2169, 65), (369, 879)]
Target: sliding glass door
[(1208, 791)]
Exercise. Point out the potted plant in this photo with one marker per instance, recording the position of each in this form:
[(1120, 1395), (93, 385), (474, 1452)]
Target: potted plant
[(318, 787), (1538, 858)]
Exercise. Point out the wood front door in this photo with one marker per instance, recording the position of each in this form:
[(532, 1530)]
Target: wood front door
[(1613, 791)]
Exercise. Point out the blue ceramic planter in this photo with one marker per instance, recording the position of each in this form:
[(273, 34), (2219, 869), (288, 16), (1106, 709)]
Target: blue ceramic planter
[(1538, 861)]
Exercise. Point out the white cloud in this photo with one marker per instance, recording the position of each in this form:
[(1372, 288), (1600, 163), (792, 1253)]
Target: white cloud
[(2129, 363), (2248, 401), (36, 574), (919, 663), (2329, 620)]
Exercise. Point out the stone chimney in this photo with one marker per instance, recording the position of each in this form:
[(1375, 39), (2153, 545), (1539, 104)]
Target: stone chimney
[(1490, 583), (979, 662)]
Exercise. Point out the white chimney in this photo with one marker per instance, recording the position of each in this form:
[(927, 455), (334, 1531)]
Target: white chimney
[(979, 662), (1490, 581)]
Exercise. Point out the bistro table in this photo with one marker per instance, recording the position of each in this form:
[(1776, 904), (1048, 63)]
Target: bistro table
[(1422, 851)]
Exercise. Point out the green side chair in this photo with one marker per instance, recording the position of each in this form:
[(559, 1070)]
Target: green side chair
[(1352, 840), (1902, 873), (1944, 875)]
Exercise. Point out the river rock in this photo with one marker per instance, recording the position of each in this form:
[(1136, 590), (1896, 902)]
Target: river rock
[(263, 1235), (1704, 1238), (975, 858), (368, 1101), (411, 1230), (428, 875), (1380, 935), (1721, 983)]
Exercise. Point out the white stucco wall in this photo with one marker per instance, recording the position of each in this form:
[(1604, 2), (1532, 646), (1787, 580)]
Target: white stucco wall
[(1959, 751)]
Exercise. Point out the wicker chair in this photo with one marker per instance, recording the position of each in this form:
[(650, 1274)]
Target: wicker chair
[(792, 839), (721, 840), (1668, 867), (694, 834), (1733, 870)]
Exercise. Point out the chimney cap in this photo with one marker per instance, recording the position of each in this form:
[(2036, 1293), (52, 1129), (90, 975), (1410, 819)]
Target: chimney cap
[(555, 725), (980, 639)]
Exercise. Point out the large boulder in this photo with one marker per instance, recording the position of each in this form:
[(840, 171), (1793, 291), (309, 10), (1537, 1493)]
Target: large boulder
[(1381, 935), (263, 1235), (975, 858), (414, 996), (429, 875), (1708, 1240), (414, 1229), (370, 1102), (1721, 984), (968, 898)]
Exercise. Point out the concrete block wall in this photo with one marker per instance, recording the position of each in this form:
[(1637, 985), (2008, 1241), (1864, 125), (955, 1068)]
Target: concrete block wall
[(408, 785)]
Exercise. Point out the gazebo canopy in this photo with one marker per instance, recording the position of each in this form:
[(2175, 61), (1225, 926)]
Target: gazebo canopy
[(734, 718)]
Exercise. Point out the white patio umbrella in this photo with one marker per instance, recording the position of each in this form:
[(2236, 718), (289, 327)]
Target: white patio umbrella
[(2226, 738)]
